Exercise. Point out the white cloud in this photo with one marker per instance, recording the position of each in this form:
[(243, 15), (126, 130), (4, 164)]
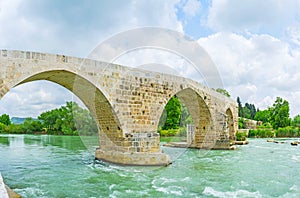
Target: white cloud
[(293, 33), (159, 60), (253, 15), (154, 13), (293, 98), (286, 81), (256, 68), (191, 7), (31, 99), (73, 29)]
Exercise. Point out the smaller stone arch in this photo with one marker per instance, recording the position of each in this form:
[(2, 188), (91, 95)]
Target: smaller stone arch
[(230, 124), (203, 136)]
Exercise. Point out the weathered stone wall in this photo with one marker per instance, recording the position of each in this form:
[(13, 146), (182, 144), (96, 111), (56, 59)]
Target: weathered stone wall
[(127, 103)]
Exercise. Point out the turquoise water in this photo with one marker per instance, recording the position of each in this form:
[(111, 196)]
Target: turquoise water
[(61, 166)]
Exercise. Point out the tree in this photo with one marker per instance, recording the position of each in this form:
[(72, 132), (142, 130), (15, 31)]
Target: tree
[(280, 113), (4, 119), (262, 116), (2, 127), (223, 91), (252, 110), (241, 123), (241, 113), (49, 118), (296, 121), (61, 120), (30, 125), (248, 111), (173, 109), (83, 121)]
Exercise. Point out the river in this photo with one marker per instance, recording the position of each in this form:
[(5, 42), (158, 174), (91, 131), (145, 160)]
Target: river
[(61, 166)]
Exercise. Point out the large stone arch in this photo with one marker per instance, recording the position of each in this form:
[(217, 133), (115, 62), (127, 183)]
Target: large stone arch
[(110, 132)]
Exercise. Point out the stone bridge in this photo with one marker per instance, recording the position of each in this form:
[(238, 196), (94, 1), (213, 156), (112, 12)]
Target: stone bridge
[(126, 103)]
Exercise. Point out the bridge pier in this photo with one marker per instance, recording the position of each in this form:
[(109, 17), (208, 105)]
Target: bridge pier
[(134, 158), (133, 149)]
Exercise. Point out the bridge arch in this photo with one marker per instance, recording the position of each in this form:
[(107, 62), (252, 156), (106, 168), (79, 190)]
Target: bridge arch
[(94, 99), (200, 113), (230, 124)]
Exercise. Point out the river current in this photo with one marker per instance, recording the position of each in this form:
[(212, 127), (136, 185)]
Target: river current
[(61, 166)]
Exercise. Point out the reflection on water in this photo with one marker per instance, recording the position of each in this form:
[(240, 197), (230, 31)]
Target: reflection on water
[(73, 143), (4, 140), (60, 166)]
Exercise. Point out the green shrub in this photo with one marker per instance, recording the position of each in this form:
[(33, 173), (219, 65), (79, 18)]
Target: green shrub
[(241, 123), (266, 125), (261, 133), (2, 127), (15, 128), (171, 139), (168, 133), (288, 132), (241, 136)]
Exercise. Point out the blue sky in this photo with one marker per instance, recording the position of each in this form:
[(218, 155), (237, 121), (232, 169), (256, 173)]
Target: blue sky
[(254, 44)]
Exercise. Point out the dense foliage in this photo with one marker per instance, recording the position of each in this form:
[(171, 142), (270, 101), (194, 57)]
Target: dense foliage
[(248, 111), (262, 116), (289, 131), (4, 119), (279, 113), (174, 119), (241, 136), (276, 120), (296, 121), (66, 120), (173, 110), (261, 133), (242, 123)]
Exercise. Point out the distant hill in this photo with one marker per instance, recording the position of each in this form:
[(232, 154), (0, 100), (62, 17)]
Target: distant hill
[(17, 120)]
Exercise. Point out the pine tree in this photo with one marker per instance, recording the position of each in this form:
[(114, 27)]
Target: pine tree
[(241, 113)]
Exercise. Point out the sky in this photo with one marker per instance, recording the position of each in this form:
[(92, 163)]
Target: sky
[(254, 44)]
